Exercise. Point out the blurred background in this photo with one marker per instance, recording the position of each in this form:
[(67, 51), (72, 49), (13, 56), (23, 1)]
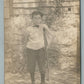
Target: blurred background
[(63, 16)]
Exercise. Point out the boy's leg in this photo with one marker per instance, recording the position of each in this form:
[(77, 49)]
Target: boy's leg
[(42, 78), (31, 63), (41, 59), (32, 78)]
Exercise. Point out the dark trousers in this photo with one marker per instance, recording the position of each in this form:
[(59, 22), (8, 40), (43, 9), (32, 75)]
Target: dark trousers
[(36, 56), (33, 57)]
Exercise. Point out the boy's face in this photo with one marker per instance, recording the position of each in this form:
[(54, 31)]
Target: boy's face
[(37, 19)]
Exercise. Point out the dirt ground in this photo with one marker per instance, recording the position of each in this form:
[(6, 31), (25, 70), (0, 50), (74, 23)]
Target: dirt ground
[(55, 77)]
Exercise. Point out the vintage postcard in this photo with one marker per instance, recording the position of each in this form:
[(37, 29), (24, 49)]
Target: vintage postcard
[(42, 41)]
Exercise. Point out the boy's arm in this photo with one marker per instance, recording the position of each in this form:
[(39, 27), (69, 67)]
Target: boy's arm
[(50, 35)]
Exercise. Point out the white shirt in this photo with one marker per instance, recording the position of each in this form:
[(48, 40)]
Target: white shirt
[(36, 37)]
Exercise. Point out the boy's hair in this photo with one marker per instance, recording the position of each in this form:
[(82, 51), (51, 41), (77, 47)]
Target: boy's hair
[(37, 13)]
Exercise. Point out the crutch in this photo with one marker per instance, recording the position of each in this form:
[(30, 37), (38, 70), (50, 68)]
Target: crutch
[(46, 44)]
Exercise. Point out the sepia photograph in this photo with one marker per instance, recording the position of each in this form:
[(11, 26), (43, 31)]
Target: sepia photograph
[(42, 41)]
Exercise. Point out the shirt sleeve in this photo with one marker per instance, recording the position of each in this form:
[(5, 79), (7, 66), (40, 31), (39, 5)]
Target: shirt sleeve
[(49, 31)]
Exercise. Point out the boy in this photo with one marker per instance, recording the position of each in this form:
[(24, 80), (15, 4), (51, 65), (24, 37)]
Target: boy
[(35, 47)]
